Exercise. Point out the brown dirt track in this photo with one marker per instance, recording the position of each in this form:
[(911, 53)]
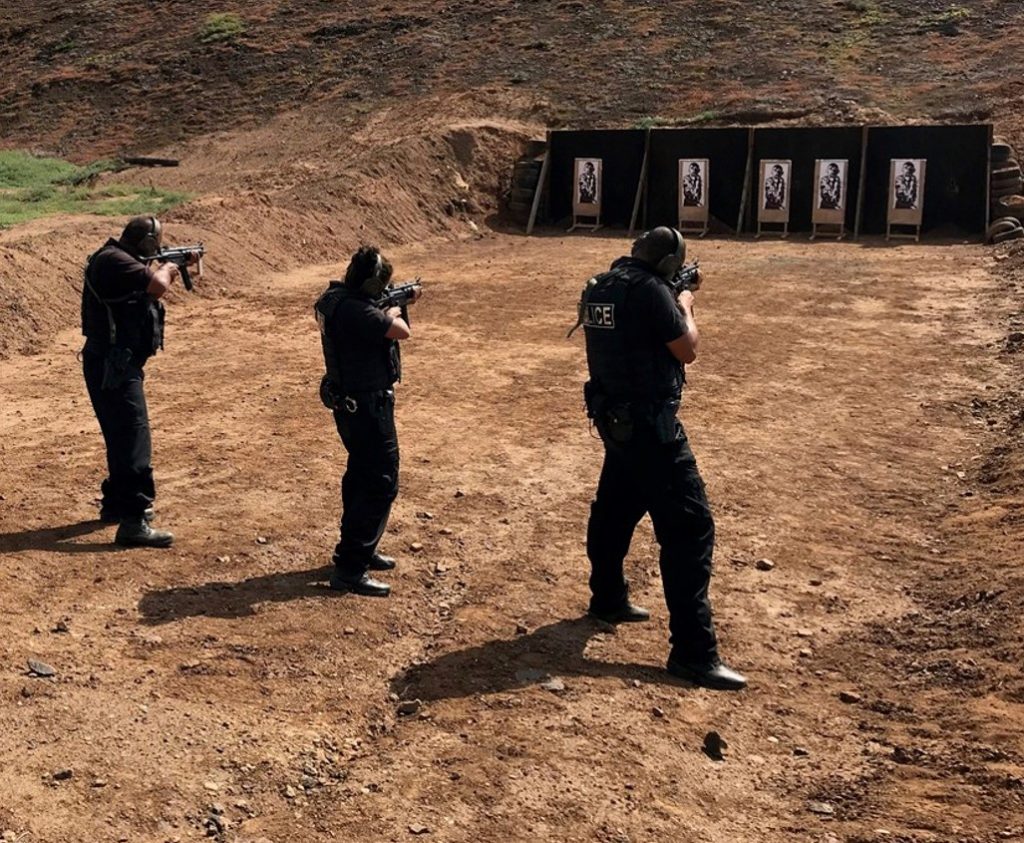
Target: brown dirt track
[(855, 411)]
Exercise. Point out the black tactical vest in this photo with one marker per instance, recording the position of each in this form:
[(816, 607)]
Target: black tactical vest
[(626, 364), (353, 367), (134, 321)]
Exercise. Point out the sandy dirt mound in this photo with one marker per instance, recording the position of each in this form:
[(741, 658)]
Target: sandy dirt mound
[(218, 688)]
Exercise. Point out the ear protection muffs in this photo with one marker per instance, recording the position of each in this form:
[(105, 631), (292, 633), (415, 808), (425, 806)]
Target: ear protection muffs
[(669, 265), (150, 244), (376, 282)]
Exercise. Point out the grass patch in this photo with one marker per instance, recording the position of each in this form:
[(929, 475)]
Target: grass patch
[(33, 187), (226, 26)]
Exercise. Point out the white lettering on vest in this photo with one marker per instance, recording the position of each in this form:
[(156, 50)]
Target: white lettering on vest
[(599, 316)]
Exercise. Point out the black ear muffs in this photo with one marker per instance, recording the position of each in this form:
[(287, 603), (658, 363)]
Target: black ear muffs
[(150, 244), (374, 285), (669, 265)]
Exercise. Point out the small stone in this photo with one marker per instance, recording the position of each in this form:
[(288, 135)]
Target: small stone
[(407, 707), (522, 629), (416, 547), (804, 633), (715, 746), (217, 809), (418, 828), (816, 582), (61, 626), (445, 531), (290, 792), (62, 775), (801, 751), (225, 559), (849, 697), (213, 787), (764, 565), (459, 493), (350, 630), (427, 516), (99, 783), (8, 836), (261, 539), (41, 669), (554, 684), (806, 654), (657, 712), (822, 808)]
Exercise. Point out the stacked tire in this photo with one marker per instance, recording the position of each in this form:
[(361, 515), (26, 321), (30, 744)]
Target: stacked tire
[(1007, 192), (525, 181)]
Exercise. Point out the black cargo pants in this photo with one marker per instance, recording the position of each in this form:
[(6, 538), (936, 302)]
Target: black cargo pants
[(645, 475), (370, 483), (124, 421)]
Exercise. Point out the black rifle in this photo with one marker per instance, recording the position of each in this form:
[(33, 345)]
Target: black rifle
[(399, 296), (685, 278), (179, 256)]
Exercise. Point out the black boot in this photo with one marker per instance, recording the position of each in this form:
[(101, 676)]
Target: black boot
[(365, 585), (136, 532), (714, 675), (624, 613), (380, 562)]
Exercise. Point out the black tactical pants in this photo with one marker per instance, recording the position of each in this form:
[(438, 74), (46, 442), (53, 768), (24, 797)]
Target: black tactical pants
[(644, 476), (124, 421), (370, 483)]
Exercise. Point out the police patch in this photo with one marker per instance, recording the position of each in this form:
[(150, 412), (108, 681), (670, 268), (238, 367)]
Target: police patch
[(599, 316)]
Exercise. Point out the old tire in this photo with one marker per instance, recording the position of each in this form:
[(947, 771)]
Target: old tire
[(1010, 188), (1001, 152), (1015, 234), (522, 194), (526, 174), (1009, 206), (1006, 169), (1003, 226)]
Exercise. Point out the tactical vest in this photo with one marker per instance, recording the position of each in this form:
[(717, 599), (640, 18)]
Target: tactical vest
[(354, 367), (625, 363), (134, 321)]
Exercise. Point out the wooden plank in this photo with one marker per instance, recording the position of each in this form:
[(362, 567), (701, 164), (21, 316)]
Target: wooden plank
[(858, 216), (642, 185), (541, 184), (746, 181)]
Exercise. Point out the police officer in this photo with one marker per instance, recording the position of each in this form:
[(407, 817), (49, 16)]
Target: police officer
[(361, 353), (639, 336), (123, 320)]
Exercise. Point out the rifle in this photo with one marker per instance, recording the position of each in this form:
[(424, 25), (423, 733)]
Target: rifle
[(179, 256), (399, 296), (685, 278)]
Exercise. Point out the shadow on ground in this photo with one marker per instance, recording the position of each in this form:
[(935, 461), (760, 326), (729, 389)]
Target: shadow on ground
[(509, 663), (232, 599), (57, 539)]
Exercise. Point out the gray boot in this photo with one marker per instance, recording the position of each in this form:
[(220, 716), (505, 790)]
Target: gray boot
[(136, 532)]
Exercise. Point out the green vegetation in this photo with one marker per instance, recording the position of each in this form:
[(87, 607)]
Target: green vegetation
[(226, 26), (953, 14), (651, 122), (32, 187)]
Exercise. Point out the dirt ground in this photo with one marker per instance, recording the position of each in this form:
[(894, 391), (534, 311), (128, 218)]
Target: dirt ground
[(854, 412)]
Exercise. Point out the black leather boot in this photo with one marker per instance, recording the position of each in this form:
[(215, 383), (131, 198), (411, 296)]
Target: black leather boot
[(714, 675), (380, 562), (624, 613), (136, 532), (365, 585)]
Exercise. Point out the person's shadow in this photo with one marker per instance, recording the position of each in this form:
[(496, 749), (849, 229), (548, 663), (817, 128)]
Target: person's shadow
[(57, 539), (232, 599), (506, 664)]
